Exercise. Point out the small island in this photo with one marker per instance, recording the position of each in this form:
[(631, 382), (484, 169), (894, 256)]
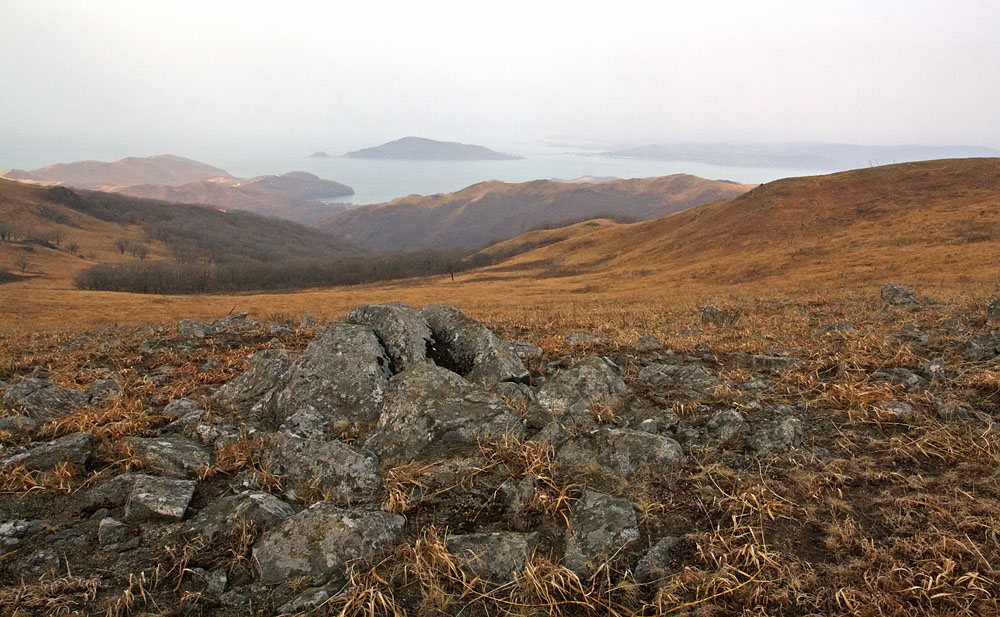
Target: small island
[(422, 149)]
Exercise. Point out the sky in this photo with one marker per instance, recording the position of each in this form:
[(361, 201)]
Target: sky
[(104, 78)]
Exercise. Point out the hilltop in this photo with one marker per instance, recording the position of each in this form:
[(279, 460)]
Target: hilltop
[(165, 169), (422, 149), (490, 211)]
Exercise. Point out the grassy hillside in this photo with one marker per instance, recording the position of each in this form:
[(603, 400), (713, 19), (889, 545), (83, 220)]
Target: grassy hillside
[(160, 169), (491, 211)]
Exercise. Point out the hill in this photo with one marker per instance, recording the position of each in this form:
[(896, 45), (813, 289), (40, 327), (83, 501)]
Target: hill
[(932, 221), (422, 149), (160, 169), (295, 195), (491, 211), (798, 155)]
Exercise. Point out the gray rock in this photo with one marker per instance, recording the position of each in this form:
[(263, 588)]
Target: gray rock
[(898, 409), (593, 380), (209, 365), (518, 495), (403, 333), (103, 390), (993, 311), (343, 374), (20, 426), (832, 328), (76, 449), (714, 316), (658, 562), (306, 423), (497, 557), (174, 456), (181, 407), (227, 515), (112, 531), (470, 348), (308, 322), (525, 351), (308, 600), (600, 527), (553, 433), (266, 370), (726, 425), (621, 452), (761, 362), (429, 406), (15, 531), (42, 563), (981, 347), (345, 472), (231, 324), (665, 422), (672, 374), (647, 342), (323, 542), (189, 328), (953, 411), (786, 433), (897, 295), (155, 498), (41, 400)]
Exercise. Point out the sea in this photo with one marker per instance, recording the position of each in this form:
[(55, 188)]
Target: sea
[(378, 181)]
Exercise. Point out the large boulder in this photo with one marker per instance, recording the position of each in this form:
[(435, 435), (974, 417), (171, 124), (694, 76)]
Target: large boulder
[(323, 542), (431, 406), (496, 557), (404, 334), (600, 527), (175, 456), (593, 380), (344, 472), (343, 374), (265, 372), (470, 348), (621, 452), (75, 449), (42, 400), (228, 514)]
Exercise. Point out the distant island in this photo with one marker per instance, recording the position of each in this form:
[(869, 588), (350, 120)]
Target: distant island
[(321, 155), (421, 149)]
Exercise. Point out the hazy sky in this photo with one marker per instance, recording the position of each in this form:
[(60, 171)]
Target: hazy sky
[(103, 79)]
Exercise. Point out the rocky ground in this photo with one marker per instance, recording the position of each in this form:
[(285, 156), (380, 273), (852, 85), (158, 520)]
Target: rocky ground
[(783, 458)]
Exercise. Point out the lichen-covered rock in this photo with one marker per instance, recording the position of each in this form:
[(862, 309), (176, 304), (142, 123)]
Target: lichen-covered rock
[(323, 542), (266, 370), (593, 380), (20, 426), (189, 328), (343, 374), (429, 406), (496, 557), (648, 342), (600, 527), (228, 514), (102, 391), (786, 433), (175, 456), (42, 400), (344, 472), (726, 425), (763, 362), (621, 452), (403, 333), (306, 423), (470, 348), (897, 295), (525, 350), (658, 562), (993, 310), (181, 407), (112, 531), (76, 449), (692, 375), (714, 316), (156, 498)]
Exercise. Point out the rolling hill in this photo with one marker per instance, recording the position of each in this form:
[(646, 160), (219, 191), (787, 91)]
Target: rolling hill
[(166, 169), (491, 211), (422, 149)]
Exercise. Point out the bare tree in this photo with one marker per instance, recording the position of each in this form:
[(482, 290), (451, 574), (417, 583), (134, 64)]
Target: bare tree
[(140, 250), (121, 244), (57, 235), (73, 246), (22, 263), (6, 229)]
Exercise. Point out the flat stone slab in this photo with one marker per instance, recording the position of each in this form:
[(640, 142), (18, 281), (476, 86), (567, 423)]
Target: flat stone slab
[(156, 498)]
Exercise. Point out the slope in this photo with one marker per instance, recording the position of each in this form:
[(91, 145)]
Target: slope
[(159, 169), (491, 211)]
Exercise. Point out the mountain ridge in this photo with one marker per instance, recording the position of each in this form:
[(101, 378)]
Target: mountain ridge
[(424, 149)]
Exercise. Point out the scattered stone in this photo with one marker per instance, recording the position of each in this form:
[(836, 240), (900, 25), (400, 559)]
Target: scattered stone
[(594, 380), (993, 310), (429, 405), (227, 515), (308, 322), (189, 328), (762, 362), (153, 498), (343, 374), (580, 338), (180, 407), (525, 351), (307, 601), (175, 456), (471, 349), (981, 347), (103, 390), (953, 411), (20, 426), (209, 365), (600, 526), (323, 542), (75, 449), (496, 557), (15, 531), (342, 471), (112, 531), (659, 375), (726, 425), (266, 370), (897, 295), (787, 433), (42, 563), (401, 330), (518, 495), (41, 400), (933, 371), (620, 451), (898, 409), (648, 342), (714, 316), (658, 562), (840, 326)]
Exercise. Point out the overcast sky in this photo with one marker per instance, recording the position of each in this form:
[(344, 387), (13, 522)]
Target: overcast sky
[(102, 79)]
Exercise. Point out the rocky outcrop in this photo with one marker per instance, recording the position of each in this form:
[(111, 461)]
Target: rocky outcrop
[(404, 334), (600, 527), (593, 381), (621, 452), (471, 349), (75, 449), (341, 472), (42, 400)]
